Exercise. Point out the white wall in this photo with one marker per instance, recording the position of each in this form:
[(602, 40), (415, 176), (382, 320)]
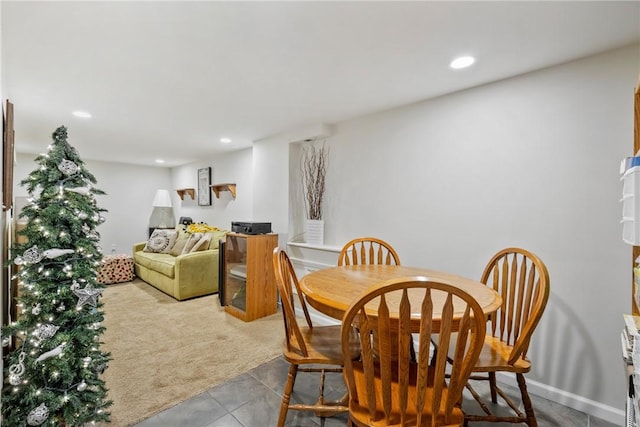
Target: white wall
[(271, 190), (531, 161), (130, 191), (272, 165), (233, 167)]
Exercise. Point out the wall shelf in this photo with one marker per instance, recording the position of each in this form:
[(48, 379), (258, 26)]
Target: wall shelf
[(217, 188), (190, 191)]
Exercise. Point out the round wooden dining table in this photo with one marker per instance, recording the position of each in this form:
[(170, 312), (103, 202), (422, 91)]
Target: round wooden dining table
[(332, 290)]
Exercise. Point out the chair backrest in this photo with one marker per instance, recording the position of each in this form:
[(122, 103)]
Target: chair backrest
[(368, 250), (522, 280), (287, 280), (394, 389)]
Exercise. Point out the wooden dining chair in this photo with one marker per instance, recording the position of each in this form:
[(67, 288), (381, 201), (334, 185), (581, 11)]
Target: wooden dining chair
[(306, 344), (394, 391), (368, 250), (522, 280)]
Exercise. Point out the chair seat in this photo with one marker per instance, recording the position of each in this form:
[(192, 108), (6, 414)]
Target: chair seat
[(323, 346), (361, 413), (495, 357)]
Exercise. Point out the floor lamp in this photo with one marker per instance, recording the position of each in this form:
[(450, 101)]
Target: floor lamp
[(162, 213)]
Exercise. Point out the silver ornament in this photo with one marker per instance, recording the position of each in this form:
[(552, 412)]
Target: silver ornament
[(45, 331), (102, 367), (51, 353), (55, 253), (82, 386), (16, 371), (67, 167), (80, 190), (87, 360), (38, 415), (32, 255), (88, 295), (18, 260), (14, 379), (36, 310)]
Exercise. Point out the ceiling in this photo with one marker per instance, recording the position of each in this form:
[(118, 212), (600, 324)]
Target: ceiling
[(168, 79)]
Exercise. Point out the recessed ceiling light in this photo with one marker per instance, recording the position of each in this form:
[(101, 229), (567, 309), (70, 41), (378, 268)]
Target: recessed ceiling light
[(159, 161), (462, 62), (82, 114), (225, 140)]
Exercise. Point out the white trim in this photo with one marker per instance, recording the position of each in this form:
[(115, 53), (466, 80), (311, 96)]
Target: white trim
[(574, 401), (307, 266), (316, 247)]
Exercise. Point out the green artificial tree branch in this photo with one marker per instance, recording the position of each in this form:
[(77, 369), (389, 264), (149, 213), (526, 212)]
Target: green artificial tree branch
[(53, 372)]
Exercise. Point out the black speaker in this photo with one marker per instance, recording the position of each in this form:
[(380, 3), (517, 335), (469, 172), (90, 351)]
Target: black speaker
[(185, 220), (251, 227)]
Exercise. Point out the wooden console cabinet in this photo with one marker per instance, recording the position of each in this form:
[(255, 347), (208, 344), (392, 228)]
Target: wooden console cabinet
[(249, 282)]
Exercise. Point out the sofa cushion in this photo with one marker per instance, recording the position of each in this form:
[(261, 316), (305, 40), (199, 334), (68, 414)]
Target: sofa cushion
[(162, 263), (161, 241)]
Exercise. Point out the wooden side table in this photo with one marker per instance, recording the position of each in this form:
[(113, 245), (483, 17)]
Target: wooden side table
[(248, 278)]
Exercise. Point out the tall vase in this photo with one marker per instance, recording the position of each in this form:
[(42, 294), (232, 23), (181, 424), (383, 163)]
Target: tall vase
[(315, 232)]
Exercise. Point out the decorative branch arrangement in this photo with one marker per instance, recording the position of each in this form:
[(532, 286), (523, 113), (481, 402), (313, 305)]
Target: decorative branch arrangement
[(314, 169)]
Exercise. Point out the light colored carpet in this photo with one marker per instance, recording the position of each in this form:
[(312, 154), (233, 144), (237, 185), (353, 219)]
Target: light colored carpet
[(165, 351)]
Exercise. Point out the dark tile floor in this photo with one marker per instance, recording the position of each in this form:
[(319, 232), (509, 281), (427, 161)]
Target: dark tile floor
[(253, 400)]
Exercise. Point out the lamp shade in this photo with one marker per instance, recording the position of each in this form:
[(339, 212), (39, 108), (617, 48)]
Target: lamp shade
[(162, 199)]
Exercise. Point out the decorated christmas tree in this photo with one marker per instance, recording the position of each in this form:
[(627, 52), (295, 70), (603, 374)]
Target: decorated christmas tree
[(52, 375)]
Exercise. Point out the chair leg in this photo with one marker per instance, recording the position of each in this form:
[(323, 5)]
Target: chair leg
[(526, 401), (286, 396), (493, 386)]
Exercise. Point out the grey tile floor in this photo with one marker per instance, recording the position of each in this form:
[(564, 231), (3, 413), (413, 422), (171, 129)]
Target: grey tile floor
[(253, 400)]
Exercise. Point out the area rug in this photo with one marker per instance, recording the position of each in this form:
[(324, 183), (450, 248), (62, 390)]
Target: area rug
[(165, 351)]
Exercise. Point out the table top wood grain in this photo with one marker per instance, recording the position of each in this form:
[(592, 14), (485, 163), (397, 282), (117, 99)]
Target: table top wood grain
[(332, 290)]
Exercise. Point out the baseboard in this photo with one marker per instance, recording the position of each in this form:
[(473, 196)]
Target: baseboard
[(570, 400)]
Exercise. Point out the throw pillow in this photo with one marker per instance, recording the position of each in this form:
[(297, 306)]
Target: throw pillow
[(161, 241), (202, 244), (193, 239), (178, 247), (200, 227), (216, 236)]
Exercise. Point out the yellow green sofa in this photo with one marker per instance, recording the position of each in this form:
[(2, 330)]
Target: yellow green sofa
[(182, 276)]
